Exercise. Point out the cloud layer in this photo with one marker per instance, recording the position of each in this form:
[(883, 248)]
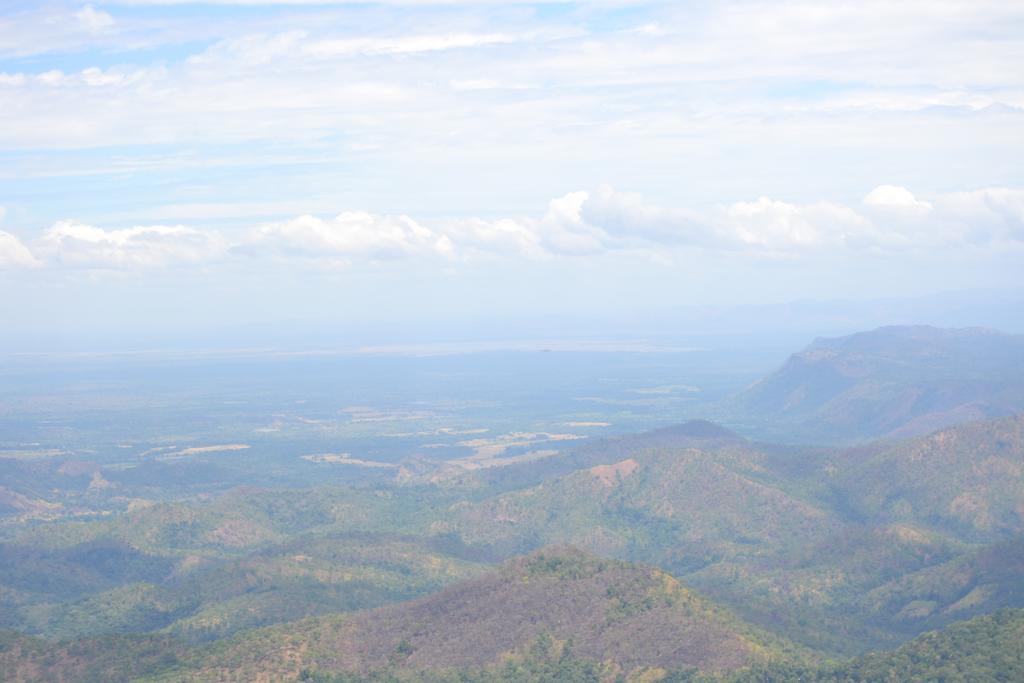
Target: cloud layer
[(76, 245), (889, 219)]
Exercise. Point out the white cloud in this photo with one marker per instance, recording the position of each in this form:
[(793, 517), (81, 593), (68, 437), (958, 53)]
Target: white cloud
[(577, 225), (606, 220), (565, 230), (769, 224), (404, 44), (75, 244), (989, 214), (94, 19), (895, 198), (775, 225), (97, 77), (52, 77), (503, 236), (351, 234), (14, 254), (628, 216)]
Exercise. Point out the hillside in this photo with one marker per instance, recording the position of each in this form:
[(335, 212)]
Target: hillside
[(965, 586), (930, 530), (677, 507), (966, 480), (632, 615), (106, 586), (984, 649), (625, 615), (841, 550), (893, 381)]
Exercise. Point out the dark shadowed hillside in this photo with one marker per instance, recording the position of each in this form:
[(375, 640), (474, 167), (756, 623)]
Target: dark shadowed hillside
[(893, 381)]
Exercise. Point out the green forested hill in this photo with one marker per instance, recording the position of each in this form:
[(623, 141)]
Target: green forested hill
[(966, 480), (200, 597), (627, 616), (678, 507), (986, 649)]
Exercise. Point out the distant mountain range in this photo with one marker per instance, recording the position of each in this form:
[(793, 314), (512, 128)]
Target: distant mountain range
[(891, 382)]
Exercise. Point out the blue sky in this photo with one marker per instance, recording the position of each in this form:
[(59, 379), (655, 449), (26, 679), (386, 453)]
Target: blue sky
[(179, 164)]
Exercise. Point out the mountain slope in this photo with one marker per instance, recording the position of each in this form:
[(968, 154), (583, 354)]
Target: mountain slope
[(988, 648), (627, 616), (631, 614), (108, 587), (966, 480), (966, 586), (675, 507), (893, 381)]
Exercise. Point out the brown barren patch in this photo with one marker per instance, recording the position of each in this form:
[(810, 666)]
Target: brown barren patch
[(610, 475)]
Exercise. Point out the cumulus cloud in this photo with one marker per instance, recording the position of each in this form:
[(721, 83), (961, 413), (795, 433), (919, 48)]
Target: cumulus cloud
[(503, 236), (895, 198), (75, 244), (576, 225), (14, 254), (781, 226), (353, 233), (604, 220), (608, 220)]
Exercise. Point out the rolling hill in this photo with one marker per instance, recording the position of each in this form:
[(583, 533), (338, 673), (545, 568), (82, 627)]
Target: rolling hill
[(107, 587), (966, 480), (677, 507), (627, 616)]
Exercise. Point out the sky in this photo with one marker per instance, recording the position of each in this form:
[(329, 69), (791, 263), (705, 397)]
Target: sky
[(169, 164)]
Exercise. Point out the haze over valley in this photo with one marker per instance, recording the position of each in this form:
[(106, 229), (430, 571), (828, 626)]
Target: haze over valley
[(529, 341)]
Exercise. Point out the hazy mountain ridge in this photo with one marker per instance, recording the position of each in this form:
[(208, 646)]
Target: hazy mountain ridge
[(893, 381)]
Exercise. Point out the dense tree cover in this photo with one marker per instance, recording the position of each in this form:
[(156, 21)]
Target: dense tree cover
[(545, 661), (986, 649)]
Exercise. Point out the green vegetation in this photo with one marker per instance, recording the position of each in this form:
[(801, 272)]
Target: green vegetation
[(801, 542), (987, 649), (683, 554), (202, 597)]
